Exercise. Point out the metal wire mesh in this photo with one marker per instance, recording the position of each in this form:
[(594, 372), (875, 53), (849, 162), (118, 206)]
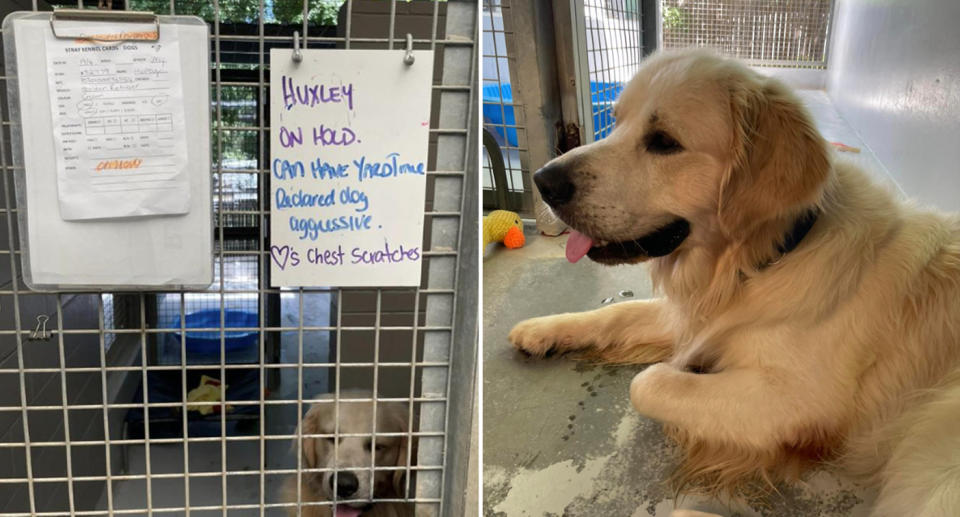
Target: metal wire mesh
[(91, 429), (782, 33), (503, 117), (614, 49), (109, 320)]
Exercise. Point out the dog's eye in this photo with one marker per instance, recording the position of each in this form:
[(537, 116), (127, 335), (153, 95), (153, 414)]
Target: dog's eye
[(380, 446), (660, 142)]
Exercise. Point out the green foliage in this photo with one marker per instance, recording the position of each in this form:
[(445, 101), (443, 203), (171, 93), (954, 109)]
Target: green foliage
[(238, 105), (238, 108), (284, 12), (672, 18), (321, 12)]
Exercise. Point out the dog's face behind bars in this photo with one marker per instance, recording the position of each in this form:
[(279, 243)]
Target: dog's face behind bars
[(354, 455)]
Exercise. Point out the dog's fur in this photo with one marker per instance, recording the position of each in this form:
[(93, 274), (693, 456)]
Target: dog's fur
[(844, 349), (353, 454)]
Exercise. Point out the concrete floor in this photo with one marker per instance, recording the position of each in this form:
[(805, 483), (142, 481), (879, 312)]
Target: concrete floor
[(560, 438)]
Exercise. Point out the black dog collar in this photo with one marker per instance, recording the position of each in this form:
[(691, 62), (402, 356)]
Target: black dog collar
[(801, 227)]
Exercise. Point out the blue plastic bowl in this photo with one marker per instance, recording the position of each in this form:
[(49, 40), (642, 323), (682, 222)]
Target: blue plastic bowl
[(208, 343), (498, 116)]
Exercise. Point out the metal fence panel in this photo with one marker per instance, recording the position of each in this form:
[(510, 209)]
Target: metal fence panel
[(608, 48), (779, 34), (503, 117), (608, 38), (96, 419)]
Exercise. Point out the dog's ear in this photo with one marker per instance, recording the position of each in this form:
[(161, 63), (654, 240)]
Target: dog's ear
[(310, 425), (780, 160), (400, 475), (400, 424)]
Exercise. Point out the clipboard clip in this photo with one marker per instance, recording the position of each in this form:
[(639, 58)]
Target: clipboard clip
[(62, 15)]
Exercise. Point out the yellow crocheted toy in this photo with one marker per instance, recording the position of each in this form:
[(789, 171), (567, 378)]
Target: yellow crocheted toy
[(208, 391), (503, 226)]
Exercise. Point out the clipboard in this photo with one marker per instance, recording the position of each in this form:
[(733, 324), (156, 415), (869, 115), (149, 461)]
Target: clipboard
[(135, 253)]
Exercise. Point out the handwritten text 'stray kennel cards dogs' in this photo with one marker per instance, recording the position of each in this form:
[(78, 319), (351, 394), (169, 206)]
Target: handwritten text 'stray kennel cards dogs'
[(349, 132)]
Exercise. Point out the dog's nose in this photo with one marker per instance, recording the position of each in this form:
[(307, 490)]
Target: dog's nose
[(347, 484), (553, 181)]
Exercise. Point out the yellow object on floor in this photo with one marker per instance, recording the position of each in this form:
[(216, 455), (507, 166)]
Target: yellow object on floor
[(209, 390), (503, 226)]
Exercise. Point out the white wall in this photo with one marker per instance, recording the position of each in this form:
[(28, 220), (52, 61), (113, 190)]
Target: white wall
[(894, 75)]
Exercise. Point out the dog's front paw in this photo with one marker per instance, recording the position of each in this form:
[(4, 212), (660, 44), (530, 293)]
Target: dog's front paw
[(645, 385), (538, 337)]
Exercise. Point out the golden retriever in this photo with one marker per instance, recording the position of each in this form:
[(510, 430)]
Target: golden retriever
[(353, 459), (808, 315)]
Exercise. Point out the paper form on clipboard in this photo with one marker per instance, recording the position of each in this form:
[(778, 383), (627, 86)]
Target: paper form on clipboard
[(118, 123)]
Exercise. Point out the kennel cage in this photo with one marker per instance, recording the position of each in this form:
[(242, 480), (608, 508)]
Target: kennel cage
[(607, 49), (765, 34), (505, 158), (94, 410), (611, 37)]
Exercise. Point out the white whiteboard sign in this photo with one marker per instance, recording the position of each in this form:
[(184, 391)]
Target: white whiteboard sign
[(349, 131)]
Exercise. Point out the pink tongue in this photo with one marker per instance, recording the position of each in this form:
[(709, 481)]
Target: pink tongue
[(345, 510), (578, 245)]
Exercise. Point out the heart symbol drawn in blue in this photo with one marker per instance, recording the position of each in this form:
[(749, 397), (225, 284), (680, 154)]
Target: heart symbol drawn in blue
[(278, 252)]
